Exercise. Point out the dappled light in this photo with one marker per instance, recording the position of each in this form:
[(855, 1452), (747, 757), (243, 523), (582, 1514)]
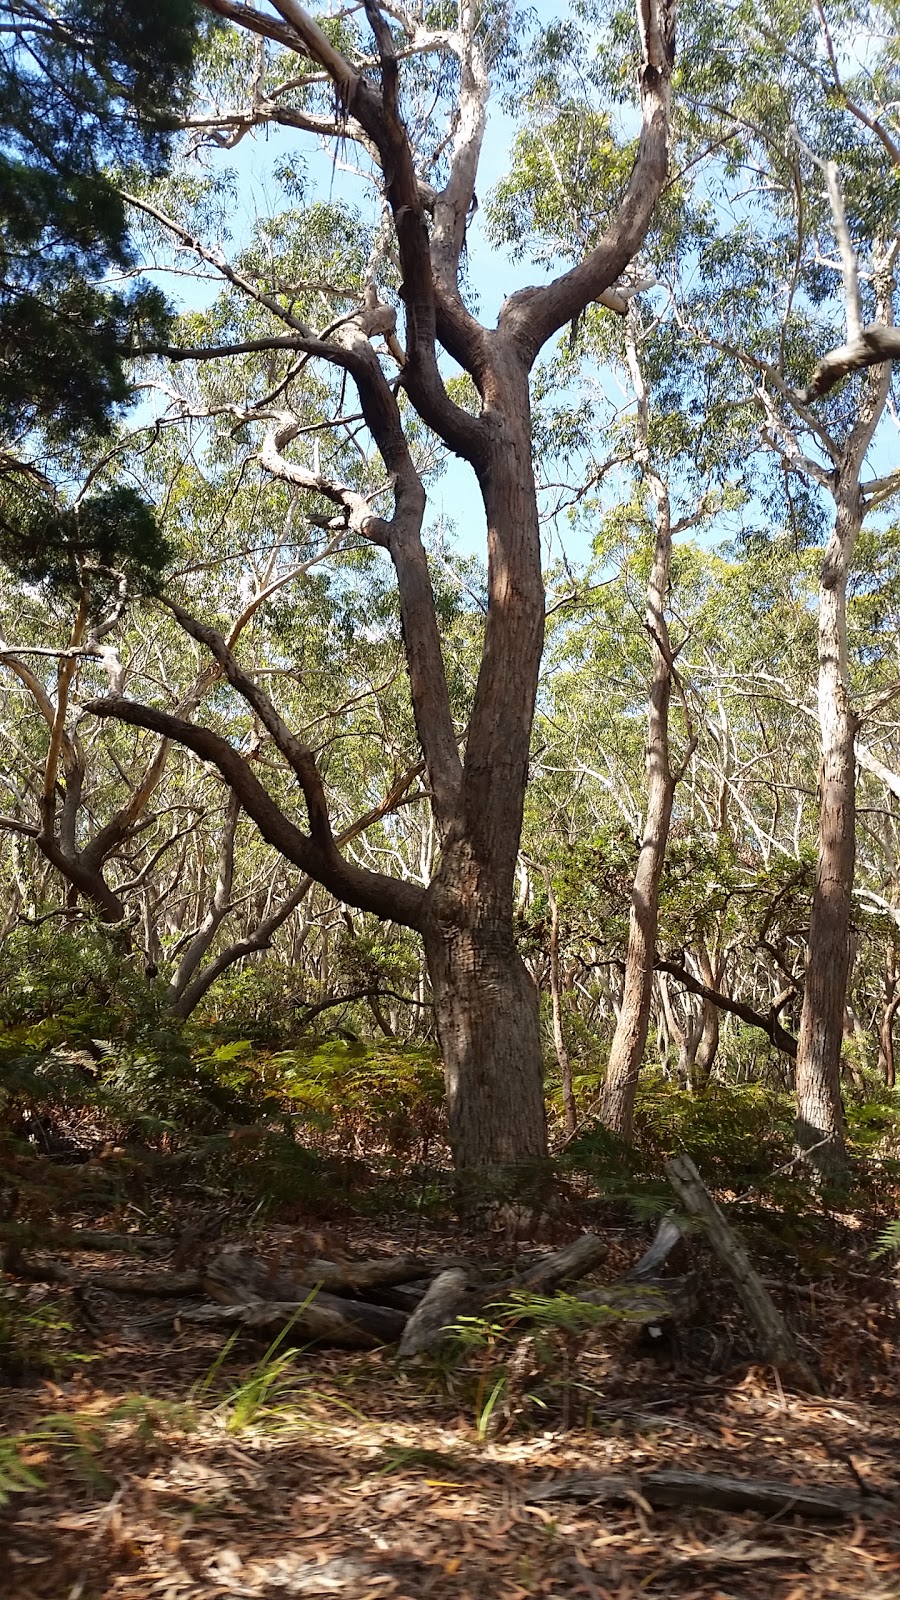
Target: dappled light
[(449, 800)]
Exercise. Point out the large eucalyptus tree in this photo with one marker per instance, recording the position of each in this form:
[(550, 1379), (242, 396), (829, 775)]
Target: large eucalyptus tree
[(414, 107)]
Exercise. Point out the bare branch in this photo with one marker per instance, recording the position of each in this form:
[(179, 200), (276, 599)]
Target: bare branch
[(534, 314), (370, 891)]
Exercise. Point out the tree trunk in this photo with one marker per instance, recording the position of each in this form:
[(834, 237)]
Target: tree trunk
[(488, 1023), (486, 1005), (570, 1110), (886, 1031), (708, 1046), (630, 1038), (820, 1119), (688, 1045)]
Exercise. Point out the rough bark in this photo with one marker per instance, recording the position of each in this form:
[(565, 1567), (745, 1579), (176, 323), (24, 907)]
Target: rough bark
[(486, 1005), (486, 1009), (236, 1275)]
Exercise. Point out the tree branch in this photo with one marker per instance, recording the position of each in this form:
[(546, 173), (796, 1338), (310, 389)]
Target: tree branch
[(770, 1025), (386, 897), (534, 314)]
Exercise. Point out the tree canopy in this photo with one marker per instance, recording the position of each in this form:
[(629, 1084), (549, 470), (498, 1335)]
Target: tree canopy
[(626, 775)]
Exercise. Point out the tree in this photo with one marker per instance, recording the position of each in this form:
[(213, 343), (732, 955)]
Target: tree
[(486, 1005), (84, 87), (832, 258)]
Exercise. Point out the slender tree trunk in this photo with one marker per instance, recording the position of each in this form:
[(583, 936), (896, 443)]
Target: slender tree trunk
[(820, 1118), (216, 911), (570, 1110), (708, 1046), (886, 1031), (674, 1034), (688, 1045), (616, 1109)]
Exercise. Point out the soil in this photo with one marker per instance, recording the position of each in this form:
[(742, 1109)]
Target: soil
[(172, 1466)]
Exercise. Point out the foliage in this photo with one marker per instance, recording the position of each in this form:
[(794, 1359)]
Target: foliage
[(16, 1477), (520, 1353), (84, 87), (108, 540), (34, 1336), (273, 1397), (739, 1135), (393, 1092), (888, 1241)]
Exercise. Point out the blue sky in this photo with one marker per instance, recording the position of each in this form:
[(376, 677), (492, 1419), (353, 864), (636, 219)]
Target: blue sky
[(454, 500)]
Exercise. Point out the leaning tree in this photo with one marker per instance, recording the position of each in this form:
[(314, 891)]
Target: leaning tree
[(414, 110)]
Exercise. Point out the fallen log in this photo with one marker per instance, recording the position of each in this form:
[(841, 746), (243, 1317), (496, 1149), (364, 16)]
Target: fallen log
[(633, 1298), (322, 1318), (237, 1276), (443, 1302), (713, 1490), (777, 1343), (44, 1236), (158, 1285), (239, 1280), (644, 1304), (667, 1236), (563, 1266)]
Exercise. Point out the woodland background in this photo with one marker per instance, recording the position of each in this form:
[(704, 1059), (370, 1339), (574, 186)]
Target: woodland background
[(446, 768)]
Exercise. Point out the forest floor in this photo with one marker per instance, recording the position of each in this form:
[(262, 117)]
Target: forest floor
[(165, 1468)]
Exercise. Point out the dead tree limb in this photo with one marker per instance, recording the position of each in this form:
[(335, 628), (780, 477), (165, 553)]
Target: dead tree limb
[(322, 1317), (778, 1345), (672, 1488), (568, 1265), (443, 1302), (237, 1277)]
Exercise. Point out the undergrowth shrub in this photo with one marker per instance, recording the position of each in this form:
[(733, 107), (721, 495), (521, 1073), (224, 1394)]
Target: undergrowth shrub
[(521, 1355), (738, 1134), (35, 1335), (80, 1025), (374, 1096)]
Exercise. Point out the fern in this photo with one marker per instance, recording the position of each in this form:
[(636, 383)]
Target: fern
[(888, 1241), (15, 1476)]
